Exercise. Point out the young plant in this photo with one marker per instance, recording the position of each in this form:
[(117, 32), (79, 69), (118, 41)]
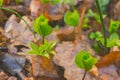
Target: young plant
[(44, 50), (72, 18), (42, 27), (95, 15), (85, 61), (112, 41)]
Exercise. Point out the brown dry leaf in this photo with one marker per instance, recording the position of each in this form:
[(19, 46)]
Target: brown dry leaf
[(104, 77), (3, 39), (44, 67), (31, 78), (2, 17), (36, 8), (111, 58), (94, 71)]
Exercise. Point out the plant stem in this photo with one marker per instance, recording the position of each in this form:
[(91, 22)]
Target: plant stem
[(84, 75), (14, 12), (43, 40), (103, 25)]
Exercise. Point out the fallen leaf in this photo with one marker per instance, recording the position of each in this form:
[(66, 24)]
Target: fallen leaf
[(110, 58), (94, 71)]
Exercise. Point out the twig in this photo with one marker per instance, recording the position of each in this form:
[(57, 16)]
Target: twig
[(78, 29)]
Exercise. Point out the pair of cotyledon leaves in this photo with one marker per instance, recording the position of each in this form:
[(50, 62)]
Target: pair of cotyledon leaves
[(84, 60), (42, 27)]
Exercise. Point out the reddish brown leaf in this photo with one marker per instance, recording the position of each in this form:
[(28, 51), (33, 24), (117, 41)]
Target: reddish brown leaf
[(111, 58)]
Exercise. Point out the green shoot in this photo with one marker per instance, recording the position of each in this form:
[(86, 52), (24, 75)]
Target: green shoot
[(94, 15), (44, 50), (72, 18), (42, 27), (85, 61), (112, 41)]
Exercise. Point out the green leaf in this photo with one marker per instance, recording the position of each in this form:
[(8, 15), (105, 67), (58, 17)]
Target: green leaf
[(55, 2), (98, 35), (43, 50), (114, 25), (42, 27), (84, 60), (96, 47), (110, 43), (92, 35), (32, 52), (114, 36), (118, 42), (45, 1), (52, 52), (33, 46), (72, 18), (51, 45), (1, 2), (85, 23), (112, 40), (95, 15), (46, 55), (89, 63)]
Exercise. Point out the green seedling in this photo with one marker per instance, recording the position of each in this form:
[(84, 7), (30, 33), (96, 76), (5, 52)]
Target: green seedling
[(98, 37), (44, 50), (85, 23), (114, 25), (112, 41), (85, 61), (42, 27), (1, 2), (95, 35), (72, 18), (95, 15), (92, 14)]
